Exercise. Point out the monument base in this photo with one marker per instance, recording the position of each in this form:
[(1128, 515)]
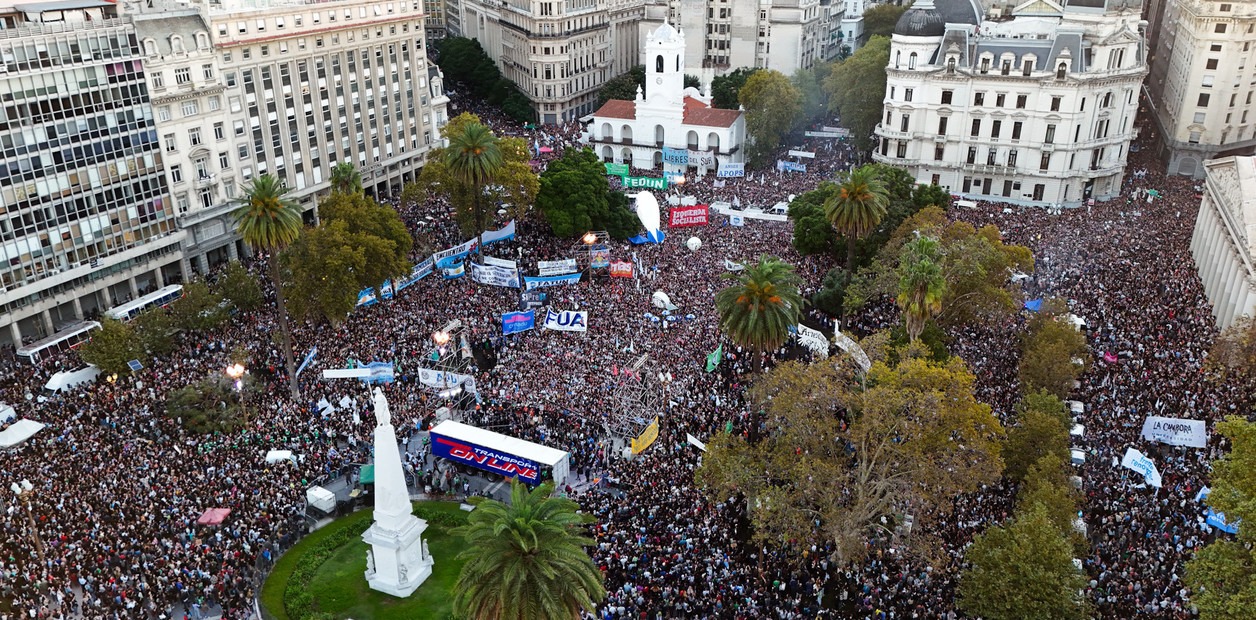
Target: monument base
[(398, 561)]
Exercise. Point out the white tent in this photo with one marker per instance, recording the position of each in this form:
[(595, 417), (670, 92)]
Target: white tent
[(1078, 457), (19, 432), (275, 456), (321, 499), (557, 460)]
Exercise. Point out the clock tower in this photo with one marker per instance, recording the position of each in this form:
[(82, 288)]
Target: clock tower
[(664, 65)]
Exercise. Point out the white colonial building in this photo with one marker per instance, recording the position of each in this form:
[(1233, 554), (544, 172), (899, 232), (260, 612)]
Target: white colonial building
[(1224, 243), (1036, 110), (1201, 84), (667, 115)]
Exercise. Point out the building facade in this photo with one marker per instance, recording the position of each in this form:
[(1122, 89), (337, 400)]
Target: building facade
[(1202, 82), (89, 221), (665, 114), (725, 35), (1224, 242), (1036, 110), (852, 26), (558, 52)]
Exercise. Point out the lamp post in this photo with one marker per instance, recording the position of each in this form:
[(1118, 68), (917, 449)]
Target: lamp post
[(236, 372), (25, 491), (589, 239)]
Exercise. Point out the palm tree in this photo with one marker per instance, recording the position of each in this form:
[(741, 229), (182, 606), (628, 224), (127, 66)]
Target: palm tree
[(268, 221), (345, 178), (920, 283), (474, 157), (525, 560), (857, 208), (759, 309)]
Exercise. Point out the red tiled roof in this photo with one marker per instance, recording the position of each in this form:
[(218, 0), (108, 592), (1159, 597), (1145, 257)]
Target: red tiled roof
[(698, 113), (617, 108)]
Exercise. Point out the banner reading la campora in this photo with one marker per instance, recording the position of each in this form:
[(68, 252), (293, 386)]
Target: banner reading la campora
[(1176, 431)]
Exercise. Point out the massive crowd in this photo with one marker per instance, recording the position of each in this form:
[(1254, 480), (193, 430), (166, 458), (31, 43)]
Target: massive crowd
[(119, 486)]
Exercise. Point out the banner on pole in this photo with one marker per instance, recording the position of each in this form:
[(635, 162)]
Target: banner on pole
[(621, 269), (1176, 431), (455, 272), (567, 320), (619, 170), (500, 262), (493, 275), (556, 267), (445, 259), (1138, 462), (644, 183), (730, 169), (675, 156), (534, 282), (309, 357), (506, 232), (515, 322), (445, 380), (695, 442), (695, 215), (701, 158), (813, 340), (646, 438)]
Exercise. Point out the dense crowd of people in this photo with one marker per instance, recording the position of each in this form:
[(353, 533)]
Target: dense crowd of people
[(119, 485)]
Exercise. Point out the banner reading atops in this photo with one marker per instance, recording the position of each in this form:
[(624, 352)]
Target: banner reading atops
[(1176, 432), (694, 215), (567, 320)]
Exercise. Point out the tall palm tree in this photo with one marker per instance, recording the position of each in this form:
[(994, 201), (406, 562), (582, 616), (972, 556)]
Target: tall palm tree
[(474, 157), (857, 208), (921, 284), (525, 560), (761, 306), (345, 178), (268, 221)]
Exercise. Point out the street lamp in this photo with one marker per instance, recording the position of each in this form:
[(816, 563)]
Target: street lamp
[(24, 492), (236, 372), (589, 238)]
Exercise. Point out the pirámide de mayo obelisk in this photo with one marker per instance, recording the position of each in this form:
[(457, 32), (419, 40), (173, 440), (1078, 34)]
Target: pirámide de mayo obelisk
[(397, 562)]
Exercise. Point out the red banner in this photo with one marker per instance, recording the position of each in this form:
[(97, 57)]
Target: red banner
[(621, 269), (695, 215)]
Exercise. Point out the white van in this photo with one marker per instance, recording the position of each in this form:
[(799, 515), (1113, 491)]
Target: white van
[(67, 379)]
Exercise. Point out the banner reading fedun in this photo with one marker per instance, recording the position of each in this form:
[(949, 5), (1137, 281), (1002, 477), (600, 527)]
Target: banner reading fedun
[(647, 437)]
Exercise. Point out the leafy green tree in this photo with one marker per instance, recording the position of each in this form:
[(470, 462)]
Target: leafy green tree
[(1041, 428), (155, 331), (772, 106), (112, 346), (1053, 353), (832, 291), (239, 287), (474, 157), (1023, 571), (208, 406), (464, 62), (1223, 574), (379, 231), (575, 198), (813, 233), (526, 560), (622, 87), (835, 459), (976, 265), (345, 178), (725, 89), (324, 268), (879, 20), (856, 208), (513, 102), (856, 89), (268, 221), (761, 305), (921, 286), (200, 309), (1047, 483)]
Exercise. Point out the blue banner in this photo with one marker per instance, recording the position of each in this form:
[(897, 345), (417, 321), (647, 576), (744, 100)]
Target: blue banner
[(531, 282), (479, 457), (309, 357), (675, 156), (789, 166), (445, 259), (515, 322), (420, 271), (507, 232), (731, 170)]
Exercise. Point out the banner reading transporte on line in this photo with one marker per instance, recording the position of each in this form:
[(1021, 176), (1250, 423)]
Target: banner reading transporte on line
[(646, 438)]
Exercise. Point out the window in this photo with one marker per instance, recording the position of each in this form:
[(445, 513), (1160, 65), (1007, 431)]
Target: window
[(902, 149), (1219, 28), (1016, 130), (220, 133), (194, 136), (1225, 8), (1050, 139), (972, 154), (242, 151), (208, 71), (1195, 136), (907, 95), (1045, 162), (1216, 47), (1203, 100), (1055, 104), (238, 127), (224, 160), (1000, 100), (1107, 100), (231, 78), (190, 108), (992, 156), (1060, 71), (159, 80), (979, 99), (1207, 82), (1212, 63), (176, 173), (1006, 68), (938, 151), (163, 113), (976, 127), (996, 127), (904, 122), (985, 65), (1021, 100), (1026, 67), (946, 96), (1199, 117), (942, 125), (1011, 158), (1039, 190), (172, 145)]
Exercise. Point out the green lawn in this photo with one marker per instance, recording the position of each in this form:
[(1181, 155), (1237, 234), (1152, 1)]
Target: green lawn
[(340, 587)]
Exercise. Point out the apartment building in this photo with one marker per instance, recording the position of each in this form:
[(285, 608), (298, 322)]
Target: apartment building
[(88, 217), (1202, 82), (1034, 108)]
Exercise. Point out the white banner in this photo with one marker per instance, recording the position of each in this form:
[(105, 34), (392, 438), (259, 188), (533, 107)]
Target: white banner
[(813, 341), (555, 267), (695, 442), (1176, 431), (730, 169), (495, 276), (848, 345), (567, 320), (442, 258), (701, 158), (444, 380), (1138, 462), (737, 220), (500, 262), (807, 154)]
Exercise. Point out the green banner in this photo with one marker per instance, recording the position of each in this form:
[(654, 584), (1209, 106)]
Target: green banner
[(714, 358), (617, 169), (646, 182)]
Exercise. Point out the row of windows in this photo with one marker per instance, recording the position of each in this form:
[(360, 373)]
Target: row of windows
[(279, 23)]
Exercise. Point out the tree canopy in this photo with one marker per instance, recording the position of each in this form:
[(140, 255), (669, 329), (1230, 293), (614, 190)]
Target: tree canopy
[(761, 305), (323, 270), (576, 198), (1223, 574), (856, 89), (772, 104), (377, 229), (200, 308), (879, 20), (239, 287), (834, 458), (465, 63), (1053, 352), (725, 89), (1041, 427)]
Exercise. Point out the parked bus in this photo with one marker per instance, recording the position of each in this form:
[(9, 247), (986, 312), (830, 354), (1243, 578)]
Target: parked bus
[(161, 298), (64, 340)]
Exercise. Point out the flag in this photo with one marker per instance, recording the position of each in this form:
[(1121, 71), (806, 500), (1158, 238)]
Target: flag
[(714, 358)]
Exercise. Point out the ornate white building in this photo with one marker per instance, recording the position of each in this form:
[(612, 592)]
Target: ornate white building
[(668, 115), (1224, 243), (1201, 85), (1037, 110)]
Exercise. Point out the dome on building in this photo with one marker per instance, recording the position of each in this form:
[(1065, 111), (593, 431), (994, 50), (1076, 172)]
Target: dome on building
[(928, 18), (665, 32)]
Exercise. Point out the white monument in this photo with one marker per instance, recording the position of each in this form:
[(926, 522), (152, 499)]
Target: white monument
[(397, 562)]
